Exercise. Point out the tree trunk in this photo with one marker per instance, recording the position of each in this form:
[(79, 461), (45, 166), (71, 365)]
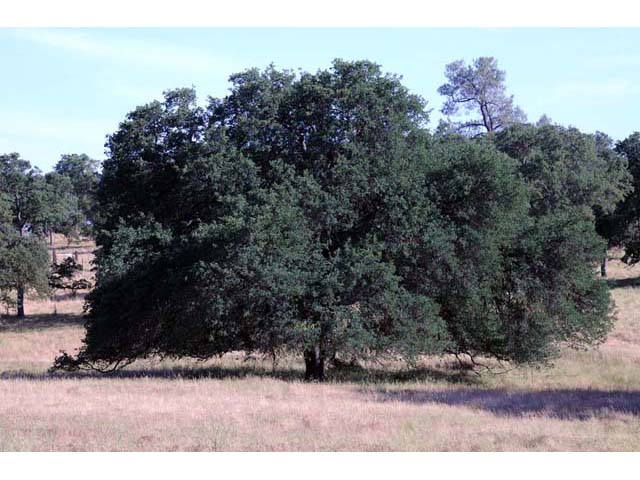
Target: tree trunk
[(603, 267), (314, 364), (20, 302)]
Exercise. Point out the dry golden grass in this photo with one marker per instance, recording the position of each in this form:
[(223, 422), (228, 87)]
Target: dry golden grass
[(587, 401)]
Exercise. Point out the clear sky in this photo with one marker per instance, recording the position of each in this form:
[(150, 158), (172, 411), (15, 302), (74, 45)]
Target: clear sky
[(64, 90)]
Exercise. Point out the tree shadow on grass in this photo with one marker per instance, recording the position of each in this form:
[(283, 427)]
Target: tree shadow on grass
[(165, 373), (565, 404), (623, 282), (290, 374), (38, 322), (449, 374)]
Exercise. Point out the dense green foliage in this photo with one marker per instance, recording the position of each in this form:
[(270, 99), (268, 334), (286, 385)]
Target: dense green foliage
[(622, 226), (572, 172), (566, 169), (82, 174), (316, 214)]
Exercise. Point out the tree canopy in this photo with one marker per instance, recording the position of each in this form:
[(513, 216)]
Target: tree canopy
[(82, 174), (314, 213), (622, 226), (566, 169)]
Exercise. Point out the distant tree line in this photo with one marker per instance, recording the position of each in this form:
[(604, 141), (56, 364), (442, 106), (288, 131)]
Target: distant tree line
[(33, 207), (318, 214)]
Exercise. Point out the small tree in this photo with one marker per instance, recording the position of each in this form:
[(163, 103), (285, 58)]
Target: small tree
[(479, 89), (24, 262)]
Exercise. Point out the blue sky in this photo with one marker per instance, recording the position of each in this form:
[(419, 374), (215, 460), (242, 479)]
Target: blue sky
[(64, 90)]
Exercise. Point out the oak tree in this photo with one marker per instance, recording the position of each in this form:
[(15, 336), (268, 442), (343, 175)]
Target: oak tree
[(315, 214)]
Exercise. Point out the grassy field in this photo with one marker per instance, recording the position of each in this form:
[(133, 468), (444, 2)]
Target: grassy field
[(587, 401)]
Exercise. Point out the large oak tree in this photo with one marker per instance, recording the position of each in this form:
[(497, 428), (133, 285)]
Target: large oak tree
[(315, 214)]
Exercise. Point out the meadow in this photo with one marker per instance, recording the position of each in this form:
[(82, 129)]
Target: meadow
[(588, 400)]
